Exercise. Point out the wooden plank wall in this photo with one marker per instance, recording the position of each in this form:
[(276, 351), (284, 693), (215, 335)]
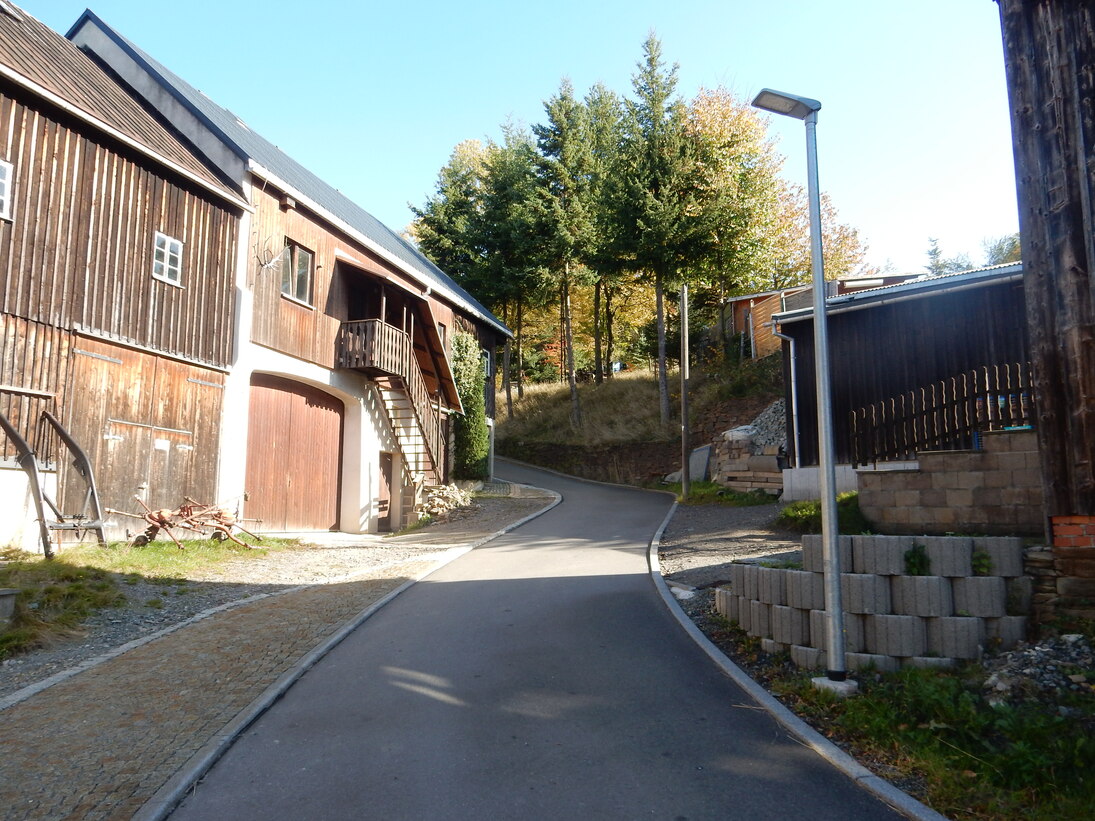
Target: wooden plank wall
[(883, 351), (78, 250), (33, 365)]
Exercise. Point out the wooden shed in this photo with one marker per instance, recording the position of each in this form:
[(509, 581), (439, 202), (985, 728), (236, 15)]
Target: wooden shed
[(887, 342)]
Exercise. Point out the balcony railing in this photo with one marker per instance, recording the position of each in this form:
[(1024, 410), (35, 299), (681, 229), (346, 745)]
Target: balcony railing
[(378, 348)]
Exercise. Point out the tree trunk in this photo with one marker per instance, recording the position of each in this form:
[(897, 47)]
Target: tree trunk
[(663, 377), (608, 330), (520, 344), (506, 376), (568, 334), (598, 362), (1049, 48)]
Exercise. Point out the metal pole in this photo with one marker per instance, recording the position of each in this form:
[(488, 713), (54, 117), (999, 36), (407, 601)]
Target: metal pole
[(686, 477), (830, 534)]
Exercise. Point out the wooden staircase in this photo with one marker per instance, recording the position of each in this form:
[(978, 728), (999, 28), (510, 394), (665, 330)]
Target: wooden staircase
[(386, 354)]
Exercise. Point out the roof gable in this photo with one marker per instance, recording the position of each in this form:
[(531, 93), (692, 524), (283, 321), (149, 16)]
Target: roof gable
[(40, 60), (189, 109)]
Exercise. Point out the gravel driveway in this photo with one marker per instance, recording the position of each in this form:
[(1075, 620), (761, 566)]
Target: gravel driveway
[(701, 541)]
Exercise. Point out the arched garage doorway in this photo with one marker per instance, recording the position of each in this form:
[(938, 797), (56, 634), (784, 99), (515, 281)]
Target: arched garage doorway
[(294, 456)]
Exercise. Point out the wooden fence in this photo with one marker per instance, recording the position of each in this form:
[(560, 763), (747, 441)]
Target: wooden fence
[(947, 415)]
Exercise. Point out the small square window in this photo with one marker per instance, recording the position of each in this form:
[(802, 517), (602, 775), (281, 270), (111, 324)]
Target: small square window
[(6, 183), (167, 259), (296, 272)]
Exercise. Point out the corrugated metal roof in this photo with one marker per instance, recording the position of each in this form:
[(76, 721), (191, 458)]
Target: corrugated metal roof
[(260, 151), (41, 60), (921, 287)]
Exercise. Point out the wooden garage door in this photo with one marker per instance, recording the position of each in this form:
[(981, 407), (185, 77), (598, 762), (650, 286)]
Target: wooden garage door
[(294, 450)]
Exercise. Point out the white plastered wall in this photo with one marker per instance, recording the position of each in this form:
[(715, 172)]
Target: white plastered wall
[(18, 518)]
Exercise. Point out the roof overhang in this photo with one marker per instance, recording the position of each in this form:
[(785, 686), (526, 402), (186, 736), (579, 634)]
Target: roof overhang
[(917, 289)]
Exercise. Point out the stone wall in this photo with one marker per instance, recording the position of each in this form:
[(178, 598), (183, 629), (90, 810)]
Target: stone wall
[(996, 490), (890, 619)]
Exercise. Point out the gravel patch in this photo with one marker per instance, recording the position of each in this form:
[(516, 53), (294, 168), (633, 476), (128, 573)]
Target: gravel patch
[(701, 541), (326, 558)]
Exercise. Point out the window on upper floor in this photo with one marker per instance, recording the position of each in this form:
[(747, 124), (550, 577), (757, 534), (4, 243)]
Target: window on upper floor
[(167, 259), (297, 264), (6, 181)]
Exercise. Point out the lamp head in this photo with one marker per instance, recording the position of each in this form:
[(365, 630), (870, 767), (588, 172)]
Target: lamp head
[(789, 105)]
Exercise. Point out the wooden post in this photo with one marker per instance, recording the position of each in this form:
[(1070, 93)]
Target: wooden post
[(1049, 51)]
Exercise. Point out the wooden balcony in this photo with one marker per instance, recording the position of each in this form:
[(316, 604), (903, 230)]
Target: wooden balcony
[(373, 346), (385, 353)]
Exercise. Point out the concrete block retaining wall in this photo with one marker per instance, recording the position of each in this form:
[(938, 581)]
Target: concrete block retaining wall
[(890, 619), (995, 490)]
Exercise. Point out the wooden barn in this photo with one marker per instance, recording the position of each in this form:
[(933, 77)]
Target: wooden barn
[(338, 397), (912, 365), (118, 253)]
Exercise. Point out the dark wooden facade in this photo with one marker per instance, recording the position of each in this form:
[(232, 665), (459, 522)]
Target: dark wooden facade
[(1049, 51), (884, 349), (131, 364)]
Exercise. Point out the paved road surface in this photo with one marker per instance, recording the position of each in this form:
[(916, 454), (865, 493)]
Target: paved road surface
[(537, 677)]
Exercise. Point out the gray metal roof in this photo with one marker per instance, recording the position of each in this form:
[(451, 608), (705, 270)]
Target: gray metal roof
[(922, 287), (256, 149)]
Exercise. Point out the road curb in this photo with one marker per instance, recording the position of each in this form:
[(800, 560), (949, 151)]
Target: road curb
[(877, 786), (172, 793)]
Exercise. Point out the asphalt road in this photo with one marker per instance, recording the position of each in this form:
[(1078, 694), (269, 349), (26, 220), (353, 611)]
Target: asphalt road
[(537, 677)]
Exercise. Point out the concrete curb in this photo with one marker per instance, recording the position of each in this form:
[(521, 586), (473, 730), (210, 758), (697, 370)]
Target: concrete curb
[(171, 794), (879, 787)]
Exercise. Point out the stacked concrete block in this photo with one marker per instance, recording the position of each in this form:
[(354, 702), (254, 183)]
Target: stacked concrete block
[(921, 596), (745, 614), (984, 596), (854, 634), (749, 581), (879, 555), (790, 625), (898, 636), (772, 646), (1005, 555), (808, 658), (771, 585), (805, 590), (948, 556), (813, 558), (865, 593), (890, 619), (1006, 631), (726, 603), (871, 661), (1020, 594), (929, 663), (760, 623), (957, 637)]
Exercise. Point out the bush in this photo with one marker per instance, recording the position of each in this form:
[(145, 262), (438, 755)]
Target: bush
[(805, 517), (472, 446)]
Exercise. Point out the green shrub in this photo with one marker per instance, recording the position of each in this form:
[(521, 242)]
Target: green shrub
[(805, 516), (472, 446), (917, 562)]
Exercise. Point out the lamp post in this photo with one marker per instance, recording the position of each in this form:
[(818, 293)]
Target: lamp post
[(805, 109)]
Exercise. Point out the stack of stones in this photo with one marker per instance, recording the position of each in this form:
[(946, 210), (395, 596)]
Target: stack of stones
[(740, 463), (441, 500), (891, 618)]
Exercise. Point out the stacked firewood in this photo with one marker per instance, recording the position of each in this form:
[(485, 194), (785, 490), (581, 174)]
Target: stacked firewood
[(442, 502)]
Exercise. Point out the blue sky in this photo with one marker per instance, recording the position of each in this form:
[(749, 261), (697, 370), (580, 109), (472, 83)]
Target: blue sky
[(913, 138)]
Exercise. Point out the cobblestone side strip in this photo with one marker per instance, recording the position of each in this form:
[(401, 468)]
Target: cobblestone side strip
[(100, 744)]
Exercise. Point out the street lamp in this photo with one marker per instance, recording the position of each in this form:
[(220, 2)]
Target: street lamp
[(805, 109)]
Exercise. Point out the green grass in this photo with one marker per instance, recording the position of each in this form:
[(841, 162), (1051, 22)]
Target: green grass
[(57, 595), (934, 732), (712, 493), (805, 517)]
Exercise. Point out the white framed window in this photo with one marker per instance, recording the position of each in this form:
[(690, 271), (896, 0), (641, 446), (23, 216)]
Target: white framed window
[(7, 180), (297, 264), (167, 259)]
